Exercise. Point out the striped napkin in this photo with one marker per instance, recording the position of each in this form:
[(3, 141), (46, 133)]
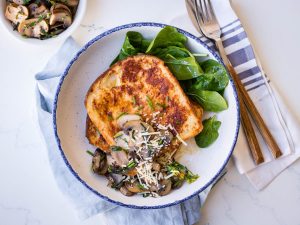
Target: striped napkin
[(279, 120)]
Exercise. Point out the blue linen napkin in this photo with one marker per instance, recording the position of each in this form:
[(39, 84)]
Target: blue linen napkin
[(86, 202)]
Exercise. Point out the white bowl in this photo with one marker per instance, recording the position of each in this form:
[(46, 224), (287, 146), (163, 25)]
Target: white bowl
[(69, 117), (76, 22)]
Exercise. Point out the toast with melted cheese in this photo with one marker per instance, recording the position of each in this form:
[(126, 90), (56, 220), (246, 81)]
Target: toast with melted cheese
[(141, 85), (95, 137)]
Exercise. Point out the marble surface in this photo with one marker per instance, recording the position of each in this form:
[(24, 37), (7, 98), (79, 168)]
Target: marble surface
[(29, 194)]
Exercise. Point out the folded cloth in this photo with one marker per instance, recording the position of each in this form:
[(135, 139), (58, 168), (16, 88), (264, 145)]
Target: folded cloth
[(86, 202), (277, 116)]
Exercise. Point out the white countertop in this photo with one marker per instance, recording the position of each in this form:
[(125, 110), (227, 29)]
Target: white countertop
[(29, 194)]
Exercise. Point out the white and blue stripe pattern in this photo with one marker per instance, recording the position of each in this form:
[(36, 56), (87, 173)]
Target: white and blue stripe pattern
[(241, 55)]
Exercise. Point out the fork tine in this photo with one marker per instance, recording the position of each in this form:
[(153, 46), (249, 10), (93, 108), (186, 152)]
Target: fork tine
[(191, 6), (204, 11), (211, 9), (199, 14)]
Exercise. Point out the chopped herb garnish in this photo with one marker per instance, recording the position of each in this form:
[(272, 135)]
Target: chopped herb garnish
[(32, 24), (89, 152), (145, 128), (167, 98), (181, 172), (119, 134), (110, 118), (132, 134), (190, 177), (122, 170), (140, 107), (116, 148), (26, 1), (150, 103), (162, 105), (131, 165), (124, 139), (39, 19), (141, 186), (117, 186), (52, 2), (115, 169), (122, 114), (133, 100), (145, 195), (161, 141)]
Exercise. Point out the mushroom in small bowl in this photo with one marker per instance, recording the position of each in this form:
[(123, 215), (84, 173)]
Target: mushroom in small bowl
[(42, 19)]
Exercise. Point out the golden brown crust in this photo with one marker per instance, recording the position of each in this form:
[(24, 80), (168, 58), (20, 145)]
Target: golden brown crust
[(197, 109), (94, 136), (142, 85)]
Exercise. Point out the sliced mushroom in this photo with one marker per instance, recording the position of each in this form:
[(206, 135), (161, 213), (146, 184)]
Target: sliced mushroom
[(154, 188), (133, 187), (110, 160), (16, 13), (167, 137), (115, 180), (131, 126), (123, 140), (33, 28), (71, 3), (138, 126), (60, 26), (32, 8), (121, 157), (156, 166), (125, 118), (166, 187), (131, 136), (61, 16), (99, 163), (37, 11), (125, 191), (59, 6)]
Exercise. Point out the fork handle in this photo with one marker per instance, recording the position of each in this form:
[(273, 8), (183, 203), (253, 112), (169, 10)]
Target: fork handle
[(250, 134), (274, 148)]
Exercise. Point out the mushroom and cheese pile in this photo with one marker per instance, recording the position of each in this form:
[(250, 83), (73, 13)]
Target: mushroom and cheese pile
[(41, 18), (138, 116)]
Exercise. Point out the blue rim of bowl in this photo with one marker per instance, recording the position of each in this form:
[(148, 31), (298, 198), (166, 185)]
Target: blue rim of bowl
[(83, 49)]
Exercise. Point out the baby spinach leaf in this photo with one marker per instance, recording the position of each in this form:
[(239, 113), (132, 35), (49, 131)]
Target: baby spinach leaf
[(209, 133), (168, 36), (180, 61), (183, 68), (175, 51), (134, 43), (215, 77), (210, 100)]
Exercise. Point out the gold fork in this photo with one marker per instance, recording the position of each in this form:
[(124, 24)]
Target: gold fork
[(209, 26)]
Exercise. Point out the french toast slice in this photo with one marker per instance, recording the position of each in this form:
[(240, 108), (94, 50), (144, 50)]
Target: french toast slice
[(142, 85)]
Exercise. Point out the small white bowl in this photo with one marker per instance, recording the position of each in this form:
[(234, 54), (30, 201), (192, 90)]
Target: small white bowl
[(64, 35)]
